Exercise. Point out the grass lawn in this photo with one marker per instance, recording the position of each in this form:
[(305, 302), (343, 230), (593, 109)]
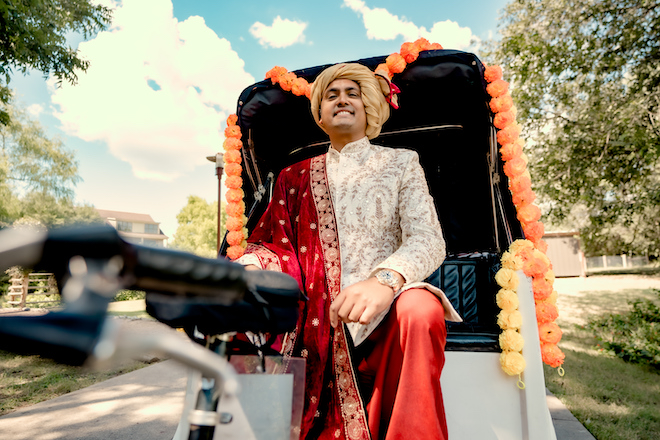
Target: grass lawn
[(612, 398), (26, 380)]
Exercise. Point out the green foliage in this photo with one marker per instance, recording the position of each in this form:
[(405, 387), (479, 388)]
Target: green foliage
[(33, 36), (586, 82), (197, 230), (129, 295), (37, 175), (633, 336)]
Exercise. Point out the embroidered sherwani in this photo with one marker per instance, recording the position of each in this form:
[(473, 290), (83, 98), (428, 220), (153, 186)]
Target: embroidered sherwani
[(333, 221)]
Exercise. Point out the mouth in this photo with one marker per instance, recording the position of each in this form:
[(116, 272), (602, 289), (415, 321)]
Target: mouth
[(342, 112)]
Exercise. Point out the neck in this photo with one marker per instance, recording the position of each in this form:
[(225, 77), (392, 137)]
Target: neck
[(339, 142)]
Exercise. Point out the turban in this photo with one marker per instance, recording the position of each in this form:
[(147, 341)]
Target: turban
[(374, 88)]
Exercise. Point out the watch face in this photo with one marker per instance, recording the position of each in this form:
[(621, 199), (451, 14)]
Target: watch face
[(387, 278)]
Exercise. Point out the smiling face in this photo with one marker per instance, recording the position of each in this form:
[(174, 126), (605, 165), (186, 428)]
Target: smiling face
[(342, 112)]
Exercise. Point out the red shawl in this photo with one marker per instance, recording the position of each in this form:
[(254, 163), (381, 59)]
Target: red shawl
[(298, 235)]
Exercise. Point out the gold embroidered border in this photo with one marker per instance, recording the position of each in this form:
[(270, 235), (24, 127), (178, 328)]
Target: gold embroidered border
[(268, 259), (353, 412)]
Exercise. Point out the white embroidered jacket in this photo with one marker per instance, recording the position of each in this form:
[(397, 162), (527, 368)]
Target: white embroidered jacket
[(386, 219)]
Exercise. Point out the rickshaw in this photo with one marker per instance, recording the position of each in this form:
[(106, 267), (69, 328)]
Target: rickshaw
[(444, 115)]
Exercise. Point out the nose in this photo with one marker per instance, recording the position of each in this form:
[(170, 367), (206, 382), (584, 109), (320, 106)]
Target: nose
[(343, 99)]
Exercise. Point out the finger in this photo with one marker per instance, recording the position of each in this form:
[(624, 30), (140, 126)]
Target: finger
[(334, 309), (346, 308), (367, 315), (355, 313)]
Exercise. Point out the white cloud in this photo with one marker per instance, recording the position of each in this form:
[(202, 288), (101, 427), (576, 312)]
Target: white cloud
[(157, 90), (282, 33), (383, 25), (35, 110)]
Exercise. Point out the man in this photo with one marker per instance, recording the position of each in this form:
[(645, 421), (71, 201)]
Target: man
[(358, 229)]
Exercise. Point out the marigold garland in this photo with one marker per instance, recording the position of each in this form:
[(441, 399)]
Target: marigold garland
[(235, 207), (530, 251), (523, 254)]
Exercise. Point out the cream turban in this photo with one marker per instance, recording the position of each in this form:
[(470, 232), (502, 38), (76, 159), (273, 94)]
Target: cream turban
[(374, 90)]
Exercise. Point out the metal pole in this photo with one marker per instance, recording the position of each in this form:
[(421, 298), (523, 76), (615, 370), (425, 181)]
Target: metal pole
[(219, 169)]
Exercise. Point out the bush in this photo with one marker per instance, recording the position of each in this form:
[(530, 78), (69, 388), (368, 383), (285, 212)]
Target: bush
[(633, 336), (129, 295)]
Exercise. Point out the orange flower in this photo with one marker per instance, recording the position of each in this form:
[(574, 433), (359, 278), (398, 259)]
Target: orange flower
[(542, 246), (550, 333), (537, 265), (275, 74), (512, 149), (383, 70), (235, 252), (234, 223), (546, 312), (234, 195), (233, 156), (232, 120), (533, 231), (435, 46), (422, 44), (233, 131), (234, 238), (231, 143), (235, 209), (502, 119), (541, 288), (395, 63), (520, 183), (552, 299), (514, 167), (524, 197), (501, 103), (552, 355), (492, 73), (286, 81), (509, 319), (507, 300), (497, 88), (409, 52), (299, 86), (512, 362), (233, 169), (529, 213), (508, 134), (511, 340), (234, 182)]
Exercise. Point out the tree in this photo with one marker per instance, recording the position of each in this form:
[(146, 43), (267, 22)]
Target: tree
[(33, 36), (198, 226), (37, 176), (585, 78)]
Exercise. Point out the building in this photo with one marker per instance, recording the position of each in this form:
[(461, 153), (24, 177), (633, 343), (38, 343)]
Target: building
[(135, 228), (565, 254)]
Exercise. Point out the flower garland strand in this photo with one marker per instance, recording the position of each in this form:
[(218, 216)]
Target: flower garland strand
[(235, 207), (528, 255), (289, 82)]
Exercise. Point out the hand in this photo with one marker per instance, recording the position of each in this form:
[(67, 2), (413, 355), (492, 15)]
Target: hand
[(252, 267), (360, 302)]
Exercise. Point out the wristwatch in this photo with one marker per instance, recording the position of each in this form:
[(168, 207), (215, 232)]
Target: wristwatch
[(388, 278)]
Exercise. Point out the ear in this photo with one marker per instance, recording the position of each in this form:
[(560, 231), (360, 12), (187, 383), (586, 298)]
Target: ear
[(320, 121)]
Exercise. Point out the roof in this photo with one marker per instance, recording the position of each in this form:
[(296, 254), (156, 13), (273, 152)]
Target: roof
[(126, 216)]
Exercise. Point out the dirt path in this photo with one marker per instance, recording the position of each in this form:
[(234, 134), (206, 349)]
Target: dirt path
[(614, 292)]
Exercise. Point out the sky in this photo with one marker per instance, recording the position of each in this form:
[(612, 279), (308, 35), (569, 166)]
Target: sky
[(166, 74)]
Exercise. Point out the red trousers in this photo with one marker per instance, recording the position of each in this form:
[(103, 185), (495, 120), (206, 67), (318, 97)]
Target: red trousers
[(399, 367)]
